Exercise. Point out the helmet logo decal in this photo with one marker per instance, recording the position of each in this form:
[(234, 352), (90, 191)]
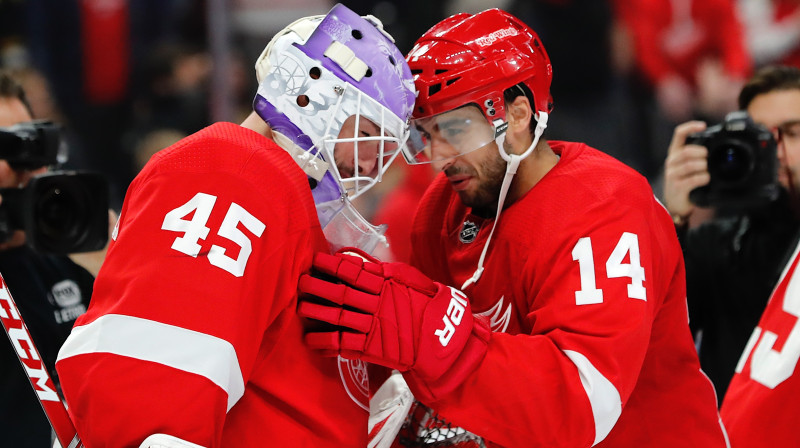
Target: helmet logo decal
[(469, 231), (489, 39)]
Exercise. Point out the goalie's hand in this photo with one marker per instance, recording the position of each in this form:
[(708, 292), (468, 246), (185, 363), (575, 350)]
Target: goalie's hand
[(392, 315)]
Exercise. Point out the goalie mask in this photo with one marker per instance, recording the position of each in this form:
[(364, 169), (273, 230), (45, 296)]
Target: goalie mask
[(338, 88), (338, 95)]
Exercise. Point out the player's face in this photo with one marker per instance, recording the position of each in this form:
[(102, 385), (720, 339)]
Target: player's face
[(366, 152), (781, 110), (13, 111), (476, 177)]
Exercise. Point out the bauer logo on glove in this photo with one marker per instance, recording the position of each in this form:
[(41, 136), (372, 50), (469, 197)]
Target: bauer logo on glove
[(392, 315), (455, 311)]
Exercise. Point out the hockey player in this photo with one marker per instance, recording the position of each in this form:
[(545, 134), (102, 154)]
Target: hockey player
[(561, 251), (192, 336), (761, 402), (759, 407)]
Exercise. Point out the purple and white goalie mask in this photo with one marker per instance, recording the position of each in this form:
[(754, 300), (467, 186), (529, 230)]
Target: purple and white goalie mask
[(339, 94)]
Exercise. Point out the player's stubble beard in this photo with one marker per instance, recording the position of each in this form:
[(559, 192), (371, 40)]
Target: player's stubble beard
[(483, 198)]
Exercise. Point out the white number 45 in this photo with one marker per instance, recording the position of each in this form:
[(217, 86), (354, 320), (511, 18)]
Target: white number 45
[(583, 254), (195, 229)]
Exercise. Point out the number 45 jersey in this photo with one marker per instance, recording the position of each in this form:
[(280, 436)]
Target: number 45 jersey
[(762, 405), (192, 330), (585, 290)]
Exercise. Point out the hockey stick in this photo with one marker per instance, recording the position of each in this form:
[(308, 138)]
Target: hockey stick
[(34, 368)]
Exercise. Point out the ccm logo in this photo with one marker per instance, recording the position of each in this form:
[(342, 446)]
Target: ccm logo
[(455, 312), (21, 340)]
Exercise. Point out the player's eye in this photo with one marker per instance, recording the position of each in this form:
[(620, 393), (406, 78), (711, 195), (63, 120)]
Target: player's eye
[(423, 133)]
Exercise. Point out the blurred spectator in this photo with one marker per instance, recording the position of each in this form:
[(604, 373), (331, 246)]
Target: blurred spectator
[(50, 291), (732, 263), (772, 28), (173, 93), (690, 60), (91, 52)]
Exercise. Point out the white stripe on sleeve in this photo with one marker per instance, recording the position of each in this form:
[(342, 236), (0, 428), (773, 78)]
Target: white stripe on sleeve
[(603, 396), (148, 340)]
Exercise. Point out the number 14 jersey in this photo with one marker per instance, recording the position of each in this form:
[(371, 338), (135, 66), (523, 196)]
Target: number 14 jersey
[(585, 290)]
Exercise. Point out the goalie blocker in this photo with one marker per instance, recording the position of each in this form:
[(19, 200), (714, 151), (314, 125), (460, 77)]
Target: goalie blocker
[(392, 315)]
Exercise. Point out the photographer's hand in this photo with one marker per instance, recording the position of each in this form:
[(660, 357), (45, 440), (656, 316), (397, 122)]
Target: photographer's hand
[(685, 169), (91, 261)]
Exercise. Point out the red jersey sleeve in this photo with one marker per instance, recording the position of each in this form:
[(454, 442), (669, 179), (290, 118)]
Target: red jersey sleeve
[(192, 324)]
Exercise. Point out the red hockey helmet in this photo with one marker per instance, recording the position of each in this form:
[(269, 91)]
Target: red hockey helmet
[(471, 60)]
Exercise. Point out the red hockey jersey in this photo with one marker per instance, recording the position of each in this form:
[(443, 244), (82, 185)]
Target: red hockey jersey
[(192, 329), (761, 406), (585, 290)]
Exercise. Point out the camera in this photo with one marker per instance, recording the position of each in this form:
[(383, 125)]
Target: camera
[(742, 162), (61, 212), (32, 145)]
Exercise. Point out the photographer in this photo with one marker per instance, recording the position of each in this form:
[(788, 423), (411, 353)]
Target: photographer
[(51, 291), (734, 261)]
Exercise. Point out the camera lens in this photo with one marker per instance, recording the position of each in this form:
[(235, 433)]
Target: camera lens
[(730, 163), (60, 213)]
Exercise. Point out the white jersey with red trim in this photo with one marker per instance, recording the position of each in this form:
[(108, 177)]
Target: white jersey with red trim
[(585, 289), (192, 330), (761, 406)]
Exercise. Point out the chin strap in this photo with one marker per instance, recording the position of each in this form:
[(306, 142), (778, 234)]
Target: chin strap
[(513, 161), (313, 165)]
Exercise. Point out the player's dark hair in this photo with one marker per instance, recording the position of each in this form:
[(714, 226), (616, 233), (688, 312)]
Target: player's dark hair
[(11, 88), (769, 79)]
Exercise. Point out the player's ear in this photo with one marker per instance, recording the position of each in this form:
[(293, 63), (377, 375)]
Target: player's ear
[(519, 115)]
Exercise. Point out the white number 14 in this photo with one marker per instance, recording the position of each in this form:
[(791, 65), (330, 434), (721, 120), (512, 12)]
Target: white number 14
[(583, 254), (195, 229)]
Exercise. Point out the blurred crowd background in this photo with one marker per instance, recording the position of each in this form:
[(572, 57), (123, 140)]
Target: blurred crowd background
[(127, 78)]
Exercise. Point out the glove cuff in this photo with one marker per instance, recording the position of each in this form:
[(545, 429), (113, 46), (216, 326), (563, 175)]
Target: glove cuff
[(430, 390)]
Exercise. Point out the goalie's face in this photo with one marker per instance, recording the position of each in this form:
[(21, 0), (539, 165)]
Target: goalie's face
[(362, 149)]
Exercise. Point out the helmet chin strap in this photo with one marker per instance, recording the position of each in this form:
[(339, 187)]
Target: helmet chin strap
[(513, 161), (314, 166)]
